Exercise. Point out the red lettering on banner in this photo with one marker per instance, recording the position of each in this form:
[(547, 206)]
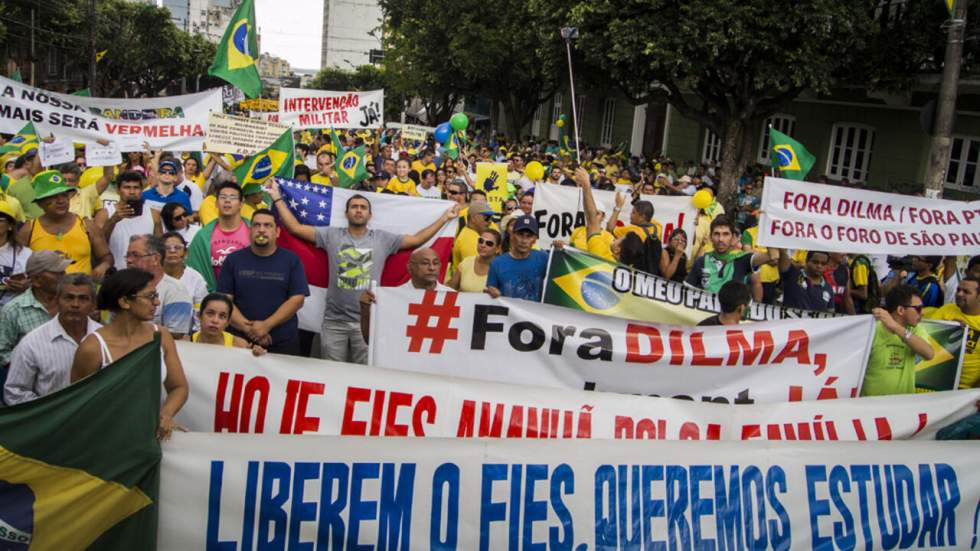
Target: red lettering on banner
[(699, 357), (676, 348), (237, 416), (491, 426), (633, 334), (384, 414), (396, 400), (350, 427), (806, 203), (294, 418), (762, 347), (515, 426), (376, 410), (797, 346)]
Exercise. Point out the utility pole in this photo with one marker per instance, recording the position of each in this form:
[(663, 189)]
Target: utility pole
[(33, 50), (92, 62), (939, 148)]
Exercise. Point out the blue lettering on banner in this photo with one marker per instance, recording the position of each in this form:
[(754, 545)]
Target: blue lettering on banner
[(310, 506)]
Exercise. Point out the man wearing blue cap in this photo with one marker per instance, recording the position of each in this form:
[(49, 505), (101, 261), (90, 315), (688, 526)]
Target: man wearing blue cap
[(163, 188), (520, 272)]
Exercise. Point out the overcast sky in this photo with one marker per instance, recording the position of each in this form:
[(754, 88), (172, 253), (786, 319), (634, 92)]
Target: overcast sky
[(291, 30)]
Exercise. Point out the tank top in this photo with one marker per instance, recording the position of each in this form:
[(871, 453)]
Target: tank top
[(469, 280), (229, 338), (107, 356), (75, 244)]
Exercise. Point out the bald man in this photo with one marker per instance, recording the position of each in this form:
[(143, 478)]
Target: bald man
[(424, 268)]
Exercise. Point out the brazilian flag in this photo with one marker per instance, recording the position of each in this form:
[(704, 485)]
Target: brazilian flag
[(582, 282), (455, 143), (24, 141), (789, 156), (566, 144), (351, 167), (273, 161), (80, 468), (942, 372), (238, 51)]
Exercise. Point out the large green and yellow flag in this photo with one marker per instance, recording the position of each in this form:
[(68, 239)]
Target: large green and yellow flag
[(789, 156), (238, 52), (351, 166), (24, 141), (942, 372), (80, 468), (273, 161)]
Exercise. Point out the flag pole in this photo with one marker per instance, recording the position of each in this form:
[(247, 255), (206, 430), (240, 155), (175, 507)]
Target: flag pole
[(772, 167), (569, 34)]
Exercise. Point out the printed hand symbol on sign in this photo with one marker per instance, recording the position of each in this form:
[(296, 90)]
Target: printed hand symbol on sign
[(490, 183)]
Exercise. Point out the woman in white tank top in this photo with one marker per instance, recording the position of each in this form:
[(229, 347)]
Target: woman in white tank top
[(131, 296)]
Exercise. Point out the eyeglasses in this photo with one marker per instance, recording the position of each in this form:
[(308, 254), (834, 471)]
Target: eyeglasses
[(152, 297), (168, 172), (487, 242), (179, 216), (132, 254), (509, 208), (917, 307), (228, 198), (174, 248), (451, 192)]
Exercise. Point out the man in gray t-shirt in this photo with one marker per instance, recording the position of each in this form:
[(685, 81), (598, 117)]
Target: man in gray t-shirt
[(356, 256)]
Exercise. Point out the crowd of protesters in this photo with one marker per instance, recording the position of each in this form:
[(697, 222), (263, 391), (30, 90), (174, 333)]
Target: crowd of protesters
[(96, 262)]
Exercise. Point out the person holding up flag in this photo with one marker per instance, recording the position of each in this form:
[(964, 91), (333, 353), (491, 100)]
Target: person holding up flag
[(237, 52)]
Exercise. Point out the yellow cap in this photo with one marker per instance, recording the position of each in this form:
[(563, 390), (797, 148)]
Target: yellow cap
[(5, 208)]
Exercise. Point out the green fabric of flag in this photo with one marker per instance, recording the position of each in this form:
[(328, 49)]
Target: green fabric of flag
[(338, 148), (22, 142), (84, 92), (789, 156), (351, 167), (238, 52), (273, 161), (80, 468)]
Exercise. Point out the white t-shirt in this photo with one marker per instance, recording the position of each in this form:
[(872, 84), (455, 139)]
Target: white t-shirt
[(11, 262), (189, 231), (126, 228), (198, 289), (439, 286), (431, 193), (196, 195)]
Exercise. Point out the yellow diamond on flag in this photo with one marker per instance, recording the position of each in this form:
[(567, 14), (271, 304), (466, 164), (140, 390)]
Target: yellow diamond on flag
[(940, 355), (591, 288), (786, 157), (264, 166)]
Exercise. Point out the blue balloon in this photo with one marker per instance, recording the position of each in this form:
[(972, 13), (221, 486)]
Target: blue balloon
[(443, 131)]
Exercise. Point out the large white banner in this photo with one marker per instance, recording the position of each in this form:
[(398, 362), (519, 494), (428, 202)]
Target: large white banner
[(308, 108), (804, 215), (173, 122), (515, 341), (233, 391), (230, 492), (558, 210)]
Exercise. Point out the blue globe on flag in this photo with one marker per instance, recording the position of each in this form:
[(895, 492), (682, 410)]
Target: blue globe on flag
[(597, 291), (240, 38), (16, 516), (784, 156), (261, 169), (349, 163)]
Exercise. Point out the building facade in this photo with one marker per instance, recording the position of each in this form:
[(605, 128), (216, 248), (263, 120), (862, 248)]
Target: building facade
[(351, 33)]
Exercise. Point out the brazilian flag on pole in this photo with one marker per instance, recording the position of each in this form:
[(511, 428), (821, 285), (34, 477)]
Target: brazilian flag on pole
[(80, 468), (238, 52), (273, 161), (351, 167), (789, 156), (22, 142)]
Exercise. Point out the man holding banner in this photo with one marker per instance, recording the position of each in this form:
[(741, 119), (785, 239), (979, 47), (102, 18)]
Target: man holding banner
[(897, 341), (356, 255), (725, 263)]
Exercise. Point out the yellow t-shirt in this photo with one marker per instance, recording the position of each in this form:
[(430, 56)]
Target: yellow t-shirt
[(970, 375), (417, 166), (600, 244), (321, 179), (464, 246), (397, 186), (199, 180), (209, 210), (85, 202), (640, 231)]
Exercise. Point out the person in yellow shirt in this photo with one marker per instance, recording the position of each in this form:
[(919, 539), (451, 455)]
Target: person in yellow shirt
[(642, 222), (579, 237), (424, 162), (401, 183), (966, 311), (325, 175), (86, 201), (479, 221), (768, 272)]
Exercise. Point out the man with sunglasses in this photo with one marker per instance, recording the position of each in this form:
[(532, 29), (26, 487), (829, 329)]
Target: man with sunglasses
[(898, 340), (478, 220), (163, 187), (175, 310)]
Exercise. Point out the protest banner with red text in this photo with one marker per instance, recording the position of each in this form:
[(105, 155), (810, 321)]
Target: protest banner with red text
[(804, 215), (233, 391), (558, 210), (515, 341), (172, 122), (308, 108), (229, 492)]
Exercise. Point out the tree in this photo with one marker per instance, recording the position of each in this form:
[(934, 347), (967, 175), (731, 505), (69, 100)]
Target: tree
[(727, 66), (365, 77), (496, 48)]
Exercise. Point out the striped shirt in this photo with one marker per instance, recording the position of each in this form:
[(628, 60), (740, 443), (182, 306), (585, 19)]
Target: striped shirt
[(41, 362), (19, 317)]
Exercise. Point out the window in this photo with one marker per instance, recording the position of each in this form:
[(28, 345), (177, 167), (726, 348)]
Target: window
[(536, 122), (782, 123), (961, 171), (376, 56), (52, 61), (556, 107), (608, 120), (711, 153), (850, 151)]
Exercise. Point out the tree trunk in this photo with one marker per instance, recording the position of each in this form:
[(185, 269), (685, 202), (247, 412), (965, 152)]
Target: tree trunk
[(733, 162)]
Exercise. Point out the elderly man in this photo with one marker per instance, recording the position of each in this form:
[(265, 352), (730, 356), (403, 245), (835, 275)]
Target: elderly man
[(41, 362), (175, 311), (423, 269)]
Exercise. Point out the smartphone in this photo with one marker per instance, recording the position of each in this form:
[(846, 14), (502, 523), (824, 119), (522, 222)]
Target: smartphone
[(136, 205)]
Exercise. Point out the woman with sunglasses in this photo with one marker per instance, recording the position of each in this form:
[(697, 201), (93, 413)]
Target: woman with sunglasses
[(471, 277), (175, 218), (175, 266), (131, 296)]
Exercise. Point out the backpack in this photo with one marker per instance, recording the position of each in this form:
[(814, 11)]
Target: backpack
[(874, 285)]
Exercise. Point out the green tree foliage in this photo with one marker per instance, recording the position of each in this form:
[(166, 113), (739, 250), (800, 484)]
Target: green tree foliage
[(501, 49), (365, 77)]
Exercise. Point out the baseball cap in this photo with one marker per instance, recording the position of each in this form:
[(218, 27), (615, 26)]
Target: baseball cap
[(528, 223), (46, 261), (479, 207), (171, 164)]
